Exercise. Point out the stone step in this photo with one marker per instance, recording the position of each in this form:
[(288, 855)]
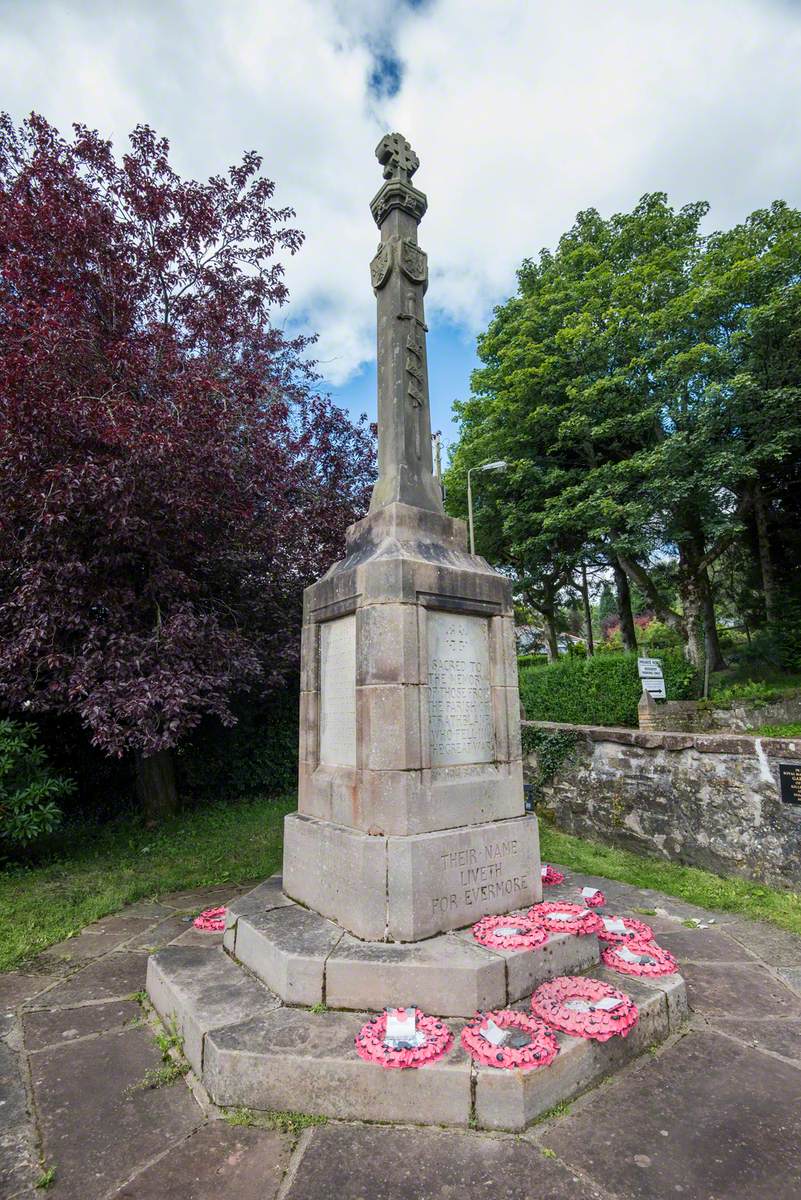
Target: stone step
[(306, 959), (251, 1051), (307, 1062), (512, 1100), (202, 989)]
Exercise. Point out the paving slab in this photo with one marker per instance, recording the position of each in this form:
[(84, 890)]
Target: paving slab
[(355, 1162), (738, 989), (16, 988), (202, 990), (777, 947), (710, 1120), (160, 934), (146, 908), (511, 1100), (774, 1036), (95, 1134), (216, 1163), (792, 977), (46, 1028), (287, 949), (446, 975), (294, 1059), (97, 939), (196, 899), (198, 937), (700, 945), (117, 976), (13, 1100), (19, 1168)]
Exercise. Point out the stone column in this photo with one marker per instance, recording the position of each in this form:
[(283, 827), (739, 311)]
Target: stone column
[(399, 274), (411, 818)]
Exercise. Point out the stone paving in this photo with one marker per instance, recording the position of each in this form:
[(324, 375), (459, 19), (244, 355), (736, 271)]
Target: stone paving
[(715, 1114)]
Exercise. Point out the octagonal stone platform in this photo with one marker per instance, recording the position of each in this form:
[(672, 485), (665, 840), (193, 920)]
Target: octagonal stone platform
[(307, 960), (244, 1013)]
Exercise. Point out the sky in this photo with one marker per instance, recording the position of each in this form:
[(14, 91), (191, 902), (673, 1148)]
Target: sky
[(522, 112)]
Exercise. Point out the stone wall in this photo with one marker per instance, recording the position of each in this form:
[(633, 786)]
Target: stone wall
[(745, 714), (710, 800), (702, 716)]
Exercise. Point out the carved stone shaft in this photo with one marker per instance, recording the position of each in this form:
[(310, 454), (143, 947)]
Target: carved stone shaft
[(399, 274)]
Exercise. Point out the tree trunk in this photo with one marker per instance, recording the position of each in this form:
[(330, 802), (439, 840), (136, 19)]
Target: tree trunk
[(765, 556), (551, 643), (585, 596), (692, 603), (627, 630), (155, 785), (714, 653)]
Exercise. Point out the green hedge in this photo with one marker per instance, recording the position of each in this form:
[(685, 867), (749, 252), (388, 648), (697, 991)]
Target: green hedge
[(256, 757), (603, 690)]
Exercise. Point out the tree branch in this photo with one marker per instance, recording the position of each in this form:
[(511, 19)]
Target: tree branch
[(650, 590)]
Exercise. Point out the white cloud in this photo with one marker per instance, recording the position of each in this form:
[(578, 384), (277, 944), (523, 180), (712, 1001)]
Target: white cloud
[(522, 113)]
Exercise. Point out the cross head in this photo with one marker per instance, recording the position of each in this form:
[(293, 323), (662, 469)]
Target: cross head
[(397, 157)]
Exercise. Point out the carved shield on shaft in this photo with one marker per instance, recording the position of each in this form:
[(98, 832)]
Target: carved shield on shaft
[(413, 261), (381, 266)]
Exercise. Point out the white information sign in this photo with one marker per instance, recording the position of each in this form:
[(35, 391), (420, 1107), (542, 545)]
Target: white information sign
[(459, 698), (338, 692), (653, 681)]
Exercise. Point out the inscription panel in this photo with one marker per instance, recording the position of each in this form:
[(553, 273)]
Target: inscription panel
[(338, 692), (484, 877), (459, 698), (449, 880), (790, 782)]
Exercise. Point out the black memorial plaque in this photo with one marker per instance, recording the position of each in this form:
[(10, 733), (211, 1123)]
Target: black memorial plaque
[(790, 782)]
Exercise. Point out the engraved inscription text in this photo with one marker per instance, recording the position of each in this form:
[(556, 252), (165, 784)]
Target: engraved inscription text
[(338, 692), (460, 702)]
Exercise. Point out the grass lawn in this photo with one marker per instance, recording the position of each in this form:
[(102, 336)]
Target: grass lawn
[(97, 872), (754, 900)]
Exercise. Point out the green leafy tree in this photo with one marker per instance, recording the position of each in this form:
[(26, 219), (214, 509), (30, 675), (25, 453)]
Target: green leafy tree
[(620, 384)]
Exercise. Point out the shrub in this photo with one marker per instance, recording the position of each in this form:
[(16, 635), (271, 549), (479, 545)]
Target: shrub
[(532, 660), (755, 691), (29, 788), (791, 730), (256, 757), (603, 690), (658, 636)]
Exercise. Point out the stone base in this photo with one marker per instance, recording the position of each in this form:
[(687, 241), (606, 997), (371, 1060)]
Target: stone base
[(305, 959), (249, 1050), (403, 889)]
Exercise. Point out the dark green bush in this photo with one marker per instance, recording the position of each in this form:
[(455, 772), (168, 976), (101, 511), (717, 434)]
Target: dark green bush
[(29, 788), (603, 690), (256, 757), (532, 660)]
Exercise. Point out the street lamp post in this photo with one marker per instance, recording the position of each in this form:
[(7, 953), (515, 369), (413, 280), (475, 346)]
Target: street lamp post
[(490, 466)]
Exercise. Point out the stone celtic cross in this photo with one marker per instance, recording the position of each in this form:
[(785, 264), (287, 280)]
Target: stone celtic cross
[(399, 275), (397, 157)]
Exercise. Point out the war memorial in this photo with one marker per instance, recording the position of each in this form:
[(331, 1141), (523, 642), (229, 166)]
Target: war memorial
[(408, 918)]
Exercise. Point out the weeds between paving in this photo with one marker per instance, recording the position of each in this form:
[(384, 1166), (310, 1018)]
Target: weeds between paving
[(96, 872)]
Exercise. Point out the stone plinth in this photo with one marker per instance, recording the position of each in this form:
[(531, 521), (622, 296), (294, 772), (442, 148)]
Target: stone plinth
[(250, 1050), (304, 958), (411, 816)]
